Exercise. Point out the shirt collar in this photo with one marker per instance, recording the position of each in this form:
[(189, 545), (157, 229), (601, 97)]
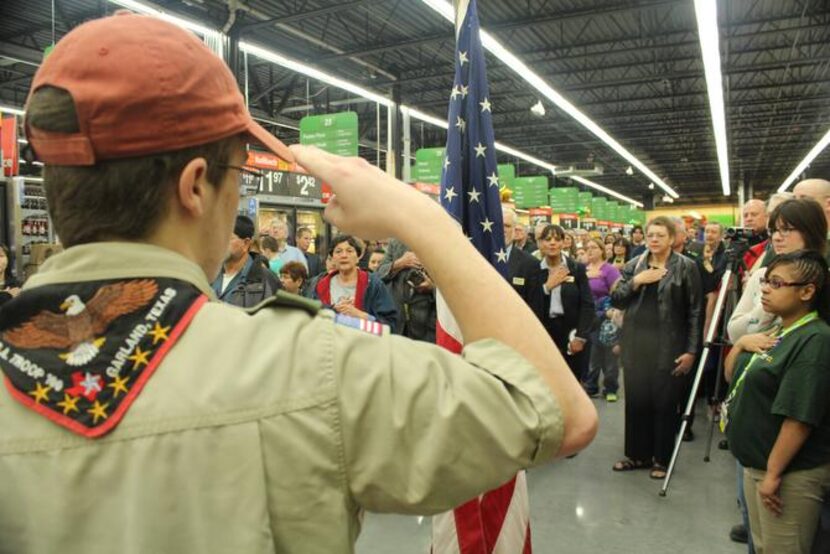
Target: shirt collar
[(119, 260), (544, 264)]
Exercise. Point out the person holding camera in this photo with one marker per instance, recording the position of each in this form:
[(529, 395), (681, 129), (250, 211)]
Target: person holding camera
[(412, 290)]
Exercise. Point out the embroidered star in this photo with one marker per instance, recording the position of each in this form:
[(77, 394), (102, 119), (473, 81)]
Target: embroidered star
[(480, 149), (118, 384), (485, 106), (474, 194), (450, 194), (69, 403), (494, 180), (160, 333), (91, 384), (462, 58), (455, 92), (502, 255), (98, 411), (460, 123), (465, 90), (139, 357), (488, 225), (446, 163), (40, 393)]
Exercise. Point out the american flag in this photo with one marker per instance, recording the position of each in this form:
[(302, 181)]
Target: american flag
[(497, 521)]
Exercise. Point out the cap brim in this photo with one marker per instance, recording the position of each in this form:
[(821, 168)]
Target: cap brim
[(269, 141)]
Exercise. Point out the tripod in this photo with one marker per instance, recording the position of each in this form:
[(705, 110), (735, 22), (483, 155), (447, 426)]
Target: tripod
[(734, 255)]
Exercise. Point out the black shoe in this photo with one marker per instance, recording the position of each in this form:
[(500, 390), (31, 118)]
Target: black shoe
[(738, 533), (723, 445), (688, 435)]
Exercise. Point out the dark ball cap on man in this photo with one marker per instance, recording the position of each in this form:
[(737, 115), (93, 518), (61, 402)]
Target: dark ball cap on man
[(141, 86)]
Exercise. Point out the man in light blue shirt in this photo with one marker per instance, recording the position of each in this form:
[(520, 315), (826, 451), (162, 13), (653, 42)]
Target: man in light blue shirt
[(286, 253)]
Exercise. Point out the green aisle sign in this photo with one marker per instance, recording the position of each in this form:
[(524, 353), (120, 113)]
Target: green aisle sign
[(585, 200), (335, 133), (564, 200), (429, 162), (507, 173), (530, 192), (612, 211), (598, 208)]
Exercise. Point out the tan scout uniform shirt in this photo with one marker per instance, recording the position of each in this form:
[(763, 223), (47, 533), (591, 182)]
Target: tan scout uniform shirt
[(267, 433)]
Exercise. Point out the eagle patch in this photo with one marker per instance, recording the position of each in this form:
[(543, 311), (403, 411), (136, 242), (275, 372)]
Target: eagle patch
[(80, 353)]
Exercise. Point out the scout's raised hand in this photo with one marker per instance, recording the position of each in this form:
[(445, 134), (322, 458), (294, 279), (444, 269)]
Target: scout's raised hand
[(367, 202)]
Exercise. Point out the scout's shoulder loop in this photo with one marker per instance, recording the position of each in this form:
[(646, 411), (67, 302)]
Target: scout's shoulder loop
[(287, 300)]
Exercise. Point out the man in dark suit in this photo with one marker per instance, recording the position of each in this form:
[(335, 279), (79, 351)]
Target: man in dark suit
[(520, 264)]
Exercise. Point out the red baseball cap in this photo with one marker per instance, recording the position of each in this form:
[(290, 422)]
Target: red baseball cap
[(141, 86)]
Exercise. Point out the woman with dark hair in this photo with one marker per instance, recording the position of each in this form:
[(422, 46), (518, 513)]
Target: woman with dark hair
[(620, 253), (797, 224), (351, 291), (560, 296), (661, 293), (9, 286), (569, 245), (776, 415)]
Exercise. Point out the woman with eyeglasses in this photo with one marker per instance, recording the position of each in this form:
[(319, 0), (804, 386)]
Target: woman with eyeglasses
[(661, 294), (776, 415), (795, 224)]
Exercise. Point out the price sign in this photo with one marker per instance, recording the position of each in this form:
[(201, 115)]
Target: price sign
[(285, 183)]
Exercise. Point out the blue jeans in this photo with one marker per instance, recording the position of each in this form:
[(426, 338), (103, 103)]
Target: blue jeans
[(742, 504), (604, 360)]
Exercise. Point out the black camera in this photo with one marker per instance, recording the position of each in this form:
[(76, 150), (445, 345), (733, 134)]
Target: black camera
[(416, 277), (739, 233)]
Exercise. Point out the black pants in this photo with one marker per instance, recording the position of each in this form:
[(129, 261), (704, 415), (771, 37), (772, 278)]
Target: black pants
[(651, 418), (576, 362)]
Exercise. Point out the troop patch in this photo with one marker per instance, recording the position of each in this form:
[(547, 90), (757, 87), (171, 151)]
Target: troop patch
[(371, 327), (80, 353)]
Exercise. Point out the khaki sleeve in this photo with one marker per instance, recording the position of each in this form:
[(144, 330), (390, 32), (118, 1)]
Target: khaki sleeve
[(425, 430)]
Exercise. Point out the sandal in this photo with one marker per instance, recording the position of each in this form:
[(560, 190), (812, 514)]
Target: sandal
[(628, 464), (658, 472)]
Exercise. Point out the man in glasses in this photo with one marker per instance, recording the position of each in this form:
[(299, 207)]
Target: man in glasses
[(245, 279), (139, 414)]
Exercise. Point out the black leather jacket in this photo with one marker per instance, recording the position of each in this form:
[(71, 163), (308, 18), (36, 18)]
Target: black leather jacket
[(679, 305)]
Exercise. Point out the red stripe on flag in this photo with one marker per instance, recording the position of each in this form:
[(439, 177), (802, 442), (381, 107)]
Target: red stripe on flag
[(445, 340), (470, 528), (494, 506)]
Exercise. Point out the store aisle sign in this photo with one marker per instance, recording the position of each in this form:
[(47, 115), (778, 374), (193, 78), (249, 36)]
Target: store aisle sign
[(585, 199), (598, 208), (564, 199), (530, 192), (507, 174), (429, 162), (335, 133)]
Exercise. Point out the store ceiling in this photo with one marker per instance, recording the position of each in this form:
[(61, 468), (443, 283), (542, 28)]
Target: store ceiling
[(632, 66)]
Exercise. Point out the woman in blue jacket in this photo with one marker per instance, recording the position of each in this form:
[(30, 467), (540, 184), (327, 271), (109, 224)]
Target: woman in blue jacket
[(349, 290)]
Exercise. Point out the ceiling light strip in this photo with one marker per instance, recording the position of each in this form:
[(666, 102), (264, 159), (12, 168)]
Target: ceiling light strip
[(816, 150), (514, 63), (708, 31), (606, 190), (11, 110)]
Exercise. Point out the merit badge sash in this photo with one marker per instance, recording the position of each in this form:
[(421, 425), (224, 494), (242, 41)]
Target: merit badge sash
[(80, 353)]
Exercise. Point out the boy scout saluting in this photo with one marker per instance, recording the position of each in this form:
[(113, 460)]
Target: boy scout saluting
[(180, 424)]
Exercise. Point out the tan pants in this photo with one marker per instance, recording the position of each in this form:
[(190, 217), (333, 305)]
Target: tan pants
[(802, 494)]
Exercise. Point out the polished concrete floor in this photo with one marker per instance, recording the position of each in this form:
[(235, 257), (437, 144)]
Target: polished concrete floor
[(580, 505)]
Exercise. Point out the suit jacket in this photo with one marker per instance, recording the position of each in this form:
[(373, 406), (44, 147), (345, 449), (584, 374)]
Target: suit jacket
[(521, 267), (577, 301)]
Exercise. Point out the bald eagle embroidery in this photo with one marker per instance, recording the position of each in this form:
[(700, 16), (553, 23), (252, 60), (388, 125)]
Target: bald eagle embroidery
[(79, 327)]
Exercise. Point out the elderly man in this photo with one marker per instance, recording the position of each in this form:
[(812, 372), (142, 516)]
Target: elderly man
[(521, 239), (286, 252), (818, 190), (755, 218), (520, 264)]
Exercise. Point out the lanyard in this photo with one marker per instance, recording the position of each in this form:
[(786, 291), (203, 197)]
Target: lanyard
[(764, 356)]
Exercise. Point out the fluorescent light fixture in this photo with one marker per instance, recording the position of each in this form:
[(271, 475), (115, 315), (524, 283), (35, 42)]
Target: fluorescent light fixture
[(538, 108), (707, 29), (426, 118), (9, 109), (140, 7), (299, 67), (816, 150), (606, 190), (514, 63)]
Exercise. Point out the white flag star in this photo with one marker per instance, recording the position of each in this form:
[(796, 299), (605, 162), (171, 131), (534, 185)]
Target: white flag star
[(480, 149), (465, 90), (488, 225), (494, 180), (460, 123), (455, 92), (485, 106), (446, 162), (502, 255), (450, 194), (474, 194), (462, 57)]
